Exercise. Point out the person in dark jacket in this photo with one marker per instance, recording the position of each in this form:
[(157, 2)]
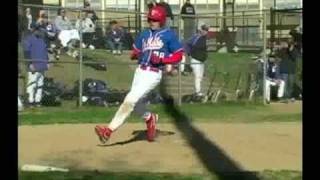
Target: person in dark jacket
[(287, 57), (189, 22), (168, 11), (196, 47), (36, 53), (22, 24)]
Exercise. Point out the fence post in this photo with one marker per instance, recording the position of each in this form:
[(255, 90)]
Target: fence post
[(80, 66), (264, 56), (179, 85), (179, 67)]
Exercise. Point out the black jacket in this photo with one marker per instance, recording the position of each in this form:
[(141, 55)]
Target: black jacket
[(196, 47), (287, 63), (188, 9)]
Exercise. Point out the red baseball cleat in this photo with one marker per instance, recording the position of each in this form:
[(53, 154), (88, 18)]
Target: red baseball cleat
[(103, 133), (151, 126)]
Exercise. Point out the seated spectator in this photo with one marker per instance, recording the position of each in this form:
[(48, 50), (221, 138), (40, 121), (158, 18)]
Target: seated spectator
[(87, 27), (62, 22), (67, 34), (114, 37), (50, 32), (273, 79), (36, 53), (89, 10)]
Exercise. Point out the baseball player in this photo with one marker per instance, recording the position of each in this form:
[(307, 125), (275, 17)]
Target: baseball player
[(36, 52), (155, 48), (274, 79), (196, 47)]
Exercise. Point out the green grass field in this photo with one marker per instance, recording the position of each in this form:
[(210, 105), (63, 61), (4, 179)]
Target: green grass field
[(265, 175), (222, 112)]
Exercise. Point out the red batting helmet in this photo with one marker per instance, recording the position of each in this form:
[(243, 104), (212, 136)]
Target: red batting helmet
[(157, 13)]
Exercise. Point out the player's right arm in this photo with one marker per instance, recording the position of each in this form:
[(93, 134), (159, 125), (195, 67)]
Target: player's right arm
[(136, 48)]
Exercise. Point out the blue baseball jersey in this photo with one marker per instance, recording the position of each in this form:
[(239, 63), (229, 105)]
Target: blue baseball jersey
[(162, 43)]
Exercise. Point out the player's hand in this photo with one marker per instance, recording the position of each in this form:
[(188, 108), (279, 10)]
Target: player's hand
[(156, 59), (134, 55)]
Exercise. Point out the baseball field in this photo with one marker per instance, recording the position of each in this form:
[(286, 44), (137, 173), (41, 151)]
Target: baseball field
[(227, 140)]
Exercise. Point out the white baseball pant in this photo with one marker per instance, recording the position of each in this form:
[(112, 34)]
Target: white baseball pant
[(66, 35), (270, 83), (182, 65), (198, 70), (34, 87), (143, 82)]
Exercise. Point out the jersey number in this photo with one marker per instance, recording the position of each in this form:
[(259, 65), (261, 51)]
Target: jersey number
[(159, 54)]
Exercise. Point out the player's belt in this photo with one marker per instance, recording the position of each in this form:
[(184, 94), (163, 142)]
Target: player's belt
[(149, 68)]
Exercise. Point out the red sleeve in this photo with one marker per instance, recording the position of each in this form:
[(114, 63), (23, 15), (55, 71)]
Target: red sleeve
[(174, 58)]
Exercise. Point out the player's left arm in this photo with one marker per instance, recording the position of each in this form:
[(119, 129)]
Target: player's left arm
[(176, 51)]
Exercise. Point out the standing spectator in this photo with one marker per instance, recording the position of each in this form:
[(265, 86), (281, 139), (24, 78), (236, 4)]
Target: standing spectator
[(114, 37), (274, 79), (169, 15), (189, 22), (196, 47), (22, 24), (287, 68), (37, 54), (29, 17), (88, 30)]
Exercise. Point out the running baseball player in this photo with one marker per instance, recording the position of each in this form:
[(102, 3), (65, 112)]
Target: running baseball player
[(155, 48)]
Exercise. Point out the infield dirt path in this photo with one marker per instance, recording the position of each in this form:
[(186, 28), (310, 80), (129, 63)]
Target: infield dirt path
[(255, 146)]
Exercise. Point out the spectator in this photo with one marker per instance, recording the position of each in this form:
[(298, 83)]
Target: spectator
[(168, 11), (62, 22), (114, 37), (50, 33), (273, 79), (287, 68), (297, 39), (68, 36), (93, 15), (189, 22), (29, 17), (37, 54), (88, 30), (22, 24), (196, 47)]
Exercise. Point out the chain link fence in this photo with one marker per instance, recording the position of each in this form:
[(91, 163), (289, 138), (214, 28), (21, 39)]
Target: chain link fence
[(235, 68)]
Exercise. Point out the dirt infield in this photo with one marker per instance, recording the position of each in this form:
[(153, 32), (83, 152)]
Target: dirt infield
[(255, 146)]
